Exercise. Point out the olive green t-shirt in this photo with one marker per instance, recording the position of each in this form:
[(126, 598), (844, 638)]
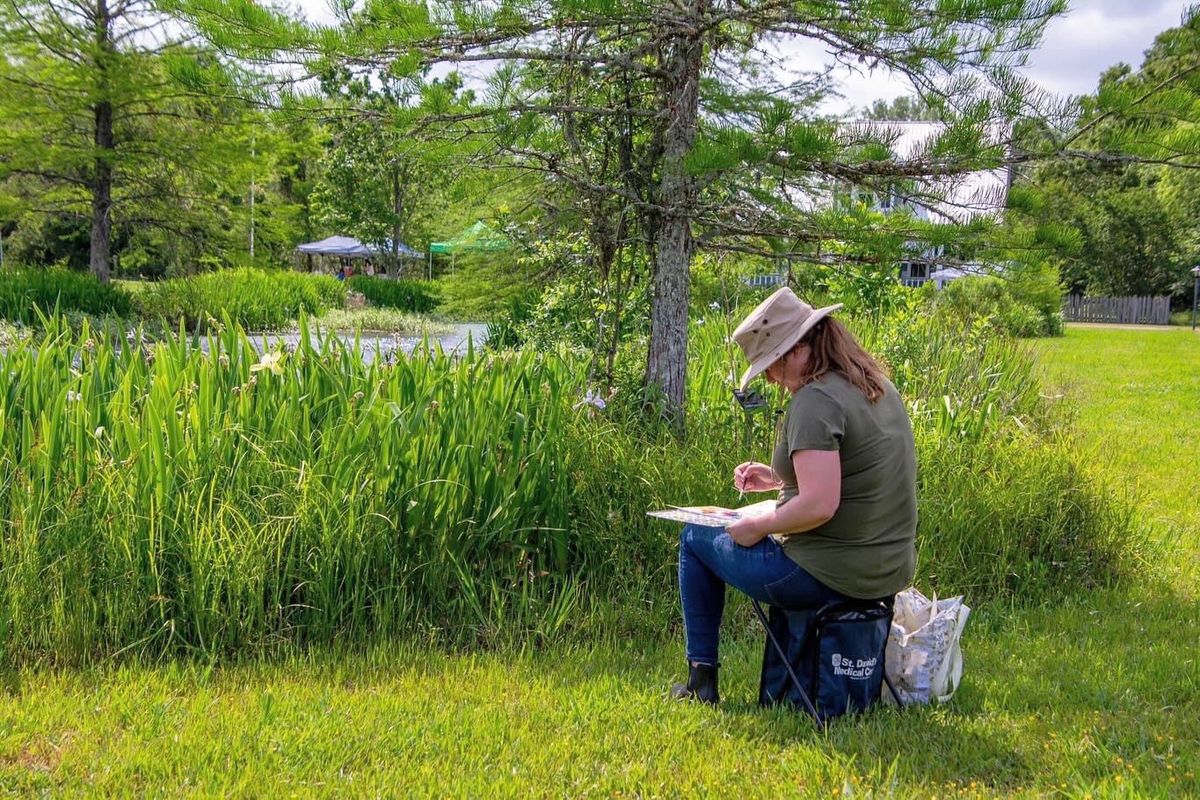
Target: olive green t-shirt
[(867, 549)]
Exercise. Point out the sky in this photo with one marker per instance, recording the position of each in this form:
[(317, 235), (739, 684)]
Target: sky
[(1091, 37), (1076, 48)]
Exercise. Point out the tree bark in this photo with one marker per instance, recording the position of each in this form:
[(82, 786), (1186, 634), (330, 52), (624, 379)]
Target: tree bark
[(102, 138), (397, 212), (666, 363)]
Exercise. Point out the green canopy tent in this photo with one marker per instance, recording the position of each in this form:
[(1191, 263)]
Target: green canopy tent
[(478, 238)]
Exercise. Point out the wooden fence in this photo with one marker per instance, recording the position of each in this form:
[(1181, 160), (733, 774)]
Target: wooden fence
[(1126, 310)]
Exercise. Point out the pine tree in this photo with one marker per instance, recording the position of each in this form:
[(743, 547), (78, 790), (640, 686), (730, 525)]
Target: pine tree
[(106, 115), (721, 160)]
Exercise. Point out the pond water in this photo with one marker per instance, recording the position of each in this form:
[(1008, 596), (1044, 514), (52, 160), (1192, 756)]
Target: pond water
[(377, 344), (373, 344)]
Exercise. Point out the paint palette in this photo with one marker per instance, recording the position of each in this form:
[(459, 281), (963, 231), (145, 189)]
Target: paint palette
[(712, 516)]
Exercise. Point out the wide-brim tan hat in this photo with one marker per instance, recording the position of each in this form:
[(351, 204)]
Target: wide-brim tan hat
[(773, 328)]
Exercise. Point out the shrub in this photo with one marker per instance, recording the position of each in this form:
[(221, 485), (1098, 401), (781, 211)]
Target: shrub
[(575, 309), (414, 296), (867, 290), (255, 299), (21, 291), (1010, 306), (1013, 515), (509, 329), (1040, 287)]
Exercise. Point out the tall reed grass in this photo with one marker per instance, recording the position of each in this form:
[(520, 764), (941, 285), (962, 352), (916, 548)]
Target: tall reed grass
[(163, 497), (25, 292), (404, 294), (256, 299)]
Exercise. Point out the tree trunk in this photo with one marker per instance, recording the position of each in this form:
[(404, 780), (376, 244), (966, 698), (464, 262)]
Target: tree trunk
[(397, 212), (666, 363), (102, 137)]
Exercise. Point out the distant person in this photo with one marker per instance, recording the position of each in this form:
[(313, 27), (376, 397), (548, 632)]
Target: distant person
[(341, 273), (845, 523)]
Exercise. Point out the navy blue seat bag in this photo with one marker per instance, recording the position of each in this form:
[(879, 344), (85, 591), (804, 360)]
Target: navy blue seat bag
[(828, 662)]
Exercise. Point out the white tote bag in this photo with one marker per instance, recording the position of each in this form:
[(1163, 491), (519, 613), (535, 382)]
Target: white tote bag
[(924, 652)]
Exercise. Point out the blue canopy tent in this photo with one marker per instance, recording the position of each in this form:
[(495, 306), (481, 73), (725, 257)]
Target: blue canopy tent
[(346, 247)]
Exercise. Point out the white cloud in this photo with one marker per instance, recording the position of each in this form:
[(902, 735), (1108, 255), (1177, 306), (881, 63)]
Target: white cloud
[(1119, 9), (1077, 47), (1094, 37)]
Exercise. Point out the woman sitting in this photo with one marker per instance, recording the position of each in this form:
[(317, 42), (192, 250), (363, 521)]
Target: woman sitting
[(845, 467)]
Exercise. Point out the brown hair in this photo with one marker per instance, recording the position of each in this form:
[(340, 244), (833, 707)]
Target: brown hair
[(834, 349)]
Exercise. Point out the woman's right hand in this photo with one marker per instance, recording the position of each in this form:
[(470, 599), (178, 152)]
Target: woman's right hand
[(752, 476)]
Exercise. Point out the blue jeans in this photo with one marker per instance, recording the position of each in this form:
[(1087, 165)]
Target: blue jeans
[(709, 559)]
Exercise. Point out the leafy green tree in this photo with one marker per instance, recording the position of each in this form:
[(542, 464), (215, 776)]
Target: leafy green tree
[(1125, 177), (1131, 244), (379, 182), (106, 118)]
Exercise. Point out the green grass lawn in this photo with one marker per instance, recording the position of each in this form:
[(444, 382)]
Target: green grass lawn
[(1137, 398), (1096, 695)]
